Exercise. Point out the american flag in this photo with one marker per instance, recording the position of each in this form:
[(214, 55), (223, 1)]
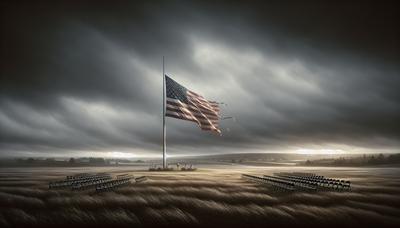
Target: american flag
[(184, 104)]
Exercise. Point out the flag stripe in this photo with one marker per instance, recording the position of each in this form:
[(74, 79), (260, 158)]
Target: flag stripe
[(200, 119), (193, 108), (203, 107), (200, 99), (187, 112), (190, 110), (181, 115), (210, 104)]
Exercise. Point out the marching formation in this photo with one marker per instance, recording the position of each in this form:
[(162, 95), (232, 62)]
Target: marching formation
[(122, 180), (100, 182), (300, 182)]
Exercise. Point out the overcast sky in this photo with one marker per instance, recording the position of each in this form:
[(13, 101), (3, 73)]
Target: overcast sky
[(85, 79)]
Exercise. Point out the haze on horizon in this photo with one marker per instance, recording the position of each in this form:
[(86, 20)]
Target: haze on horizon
[(85, 78)]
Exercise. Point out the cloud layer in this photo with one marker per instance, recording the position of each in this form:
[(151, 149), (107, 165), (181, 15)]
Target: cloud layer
[(78, 78)]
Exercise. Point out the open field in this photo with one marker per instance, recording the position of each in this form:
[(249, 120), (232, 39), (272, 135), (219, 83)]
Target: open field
[(213, 195)]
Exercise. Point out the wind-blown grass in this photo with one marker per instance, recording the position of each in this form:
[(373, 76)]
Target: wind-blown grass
[(206, 198)]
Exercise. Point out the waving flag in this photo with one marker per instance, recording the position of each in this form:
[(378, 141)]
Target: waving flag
[(184, 104)]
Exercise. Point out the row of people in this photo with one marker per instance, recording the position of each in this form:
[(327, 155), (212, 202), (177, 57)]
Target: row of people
[(110, 185), (288, 182), (320, 182), (87, 184), (69, 182), (297, 184), (80, 176), (275, 184), (140, 179), (301, 175)]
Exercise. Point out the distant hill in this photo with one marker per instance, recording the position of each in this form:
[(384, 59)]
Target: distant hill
[(360, 160), (252, 159), (255, 158)]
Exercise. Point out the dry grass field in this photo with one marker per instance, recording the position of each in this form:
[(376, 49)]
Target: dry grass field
[(212, 196)]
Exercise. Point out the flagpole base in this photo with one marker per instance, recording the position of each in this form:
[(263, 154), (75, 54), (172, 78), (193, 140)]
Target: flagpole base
[(161, 169), (176, 167)]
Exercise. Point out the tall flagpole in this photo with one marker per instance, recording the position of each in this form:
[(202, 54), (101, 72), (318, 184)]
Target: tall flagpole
[(164, 132)]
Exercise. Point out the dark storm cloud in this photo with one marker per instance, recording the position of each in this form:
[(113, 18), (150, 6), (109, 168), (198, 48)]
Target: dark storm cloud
[(87, 77)]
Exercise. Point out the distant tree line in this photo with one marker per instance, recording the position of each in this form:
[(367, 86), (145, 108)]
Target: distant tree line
[(91, 161), (54, 161), (380, 159)]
